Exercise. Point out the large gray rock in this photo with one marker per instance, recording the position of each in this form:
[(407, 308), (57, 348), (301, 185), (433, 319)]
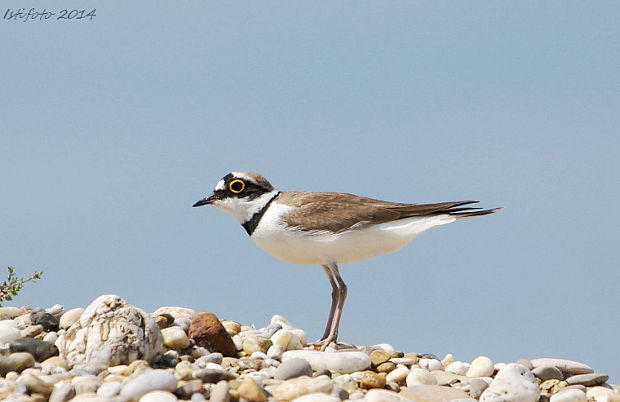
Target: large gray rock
[(110, 332)]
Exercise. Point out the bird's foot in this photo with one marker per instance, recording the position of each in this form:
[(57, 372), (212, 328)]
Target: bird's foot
[(323, 344)]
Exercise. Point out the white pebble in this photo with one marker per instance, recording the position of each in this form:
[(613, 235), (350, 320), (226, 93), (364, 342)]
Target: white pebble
[(569, 395), (158, 396), (51, 337), (384, 346), (8, 334), (457, 367), (420, 376), (402, 360), (70, 317), (481, 366), (175, 337), (513, 383), (397, 375), (430, 364), (274, 352), (281, 338)]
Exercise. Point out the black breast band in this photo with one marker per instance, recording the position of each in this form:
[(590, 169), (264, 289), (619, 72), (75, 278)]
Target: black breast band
[(251, 225)]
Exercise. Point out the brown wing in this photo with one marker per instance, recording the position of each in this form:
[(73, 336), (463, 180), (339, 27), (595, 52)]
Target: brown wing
[(337, 212)]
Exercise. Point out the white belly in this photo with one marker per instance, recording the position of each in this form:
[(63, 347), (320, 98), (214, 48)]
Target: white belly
[(316, 248)]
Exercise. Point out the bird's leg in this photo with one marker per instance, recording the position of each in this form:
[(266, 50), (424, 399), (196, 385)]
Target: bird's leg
[(339, 294), (335, 295)]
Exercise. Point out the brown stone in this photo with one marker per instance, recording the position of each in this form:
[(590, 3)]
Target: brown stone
[(250, 391), (164, 320), (386, 367), (371, 380), (379, 356), (207, 330)]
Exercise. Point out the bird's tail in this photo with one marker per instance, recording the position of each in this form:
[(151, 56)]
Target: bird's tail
[(459, 211)]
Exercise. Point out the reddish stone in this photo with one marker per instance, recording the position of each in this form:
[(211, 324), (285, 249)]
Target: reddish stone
[(207, 330)]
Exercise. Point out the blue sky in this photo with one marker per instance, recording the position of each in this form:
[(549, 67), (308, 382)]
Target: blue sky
[(112, 128)]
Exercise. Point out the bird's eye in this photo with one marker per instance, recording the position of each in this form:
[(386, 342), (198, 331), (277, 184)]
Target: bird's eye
[(236, 186)]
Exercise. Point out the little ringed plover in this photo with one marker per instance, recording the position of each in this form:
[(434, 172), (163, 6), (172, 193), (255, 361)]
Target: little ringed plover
[(327, 229)]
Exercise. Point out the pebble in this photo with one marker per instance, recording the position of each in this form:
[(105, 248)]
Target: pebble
[(589, 380), (39, 349), (70, 317), (219, 393), (457, 367), (398, 375), (566, 366), (599, 394), (481, 366), (256, 343), (207, 330), (432, 393), (35, 385), (370, 380), (477, 387), (154, 380), (63, 391), (15, 362), (317, 397), (548, 373), (430, 364), (48, 321), (175, 312), (569, 395), (175, 337), (383, 395), (9, 313), (338, 362), (158, 396), (420, 376), (109, 389), (292, 368), (251, 391), (8, 334), (380, 356), (513, 383), (213, 376), (296, 387), (85, 384)]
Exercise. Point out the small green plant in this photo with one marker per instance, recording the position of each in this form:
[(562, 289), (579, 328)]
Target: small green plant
[(13, 285)]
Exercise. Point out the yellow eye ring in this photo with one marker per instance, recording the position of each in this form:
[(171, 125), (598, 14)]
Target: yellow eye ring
[(236, 186)]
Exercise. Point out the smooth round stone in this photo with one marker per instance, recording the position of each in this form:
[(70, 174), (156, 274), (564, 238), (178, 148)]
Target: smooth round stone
[(514, 383), (63, 391), (379, 356), (477, 387), (481, 366), (256, 343), (338, 362), (398, 375), (219, 392), (457, 367), (51, 337), (317, 397), (34, 384), (155, 380), (175, 337), (569, 395), (588, 380), (274, 352), (258, 355), (55, 361), (420, 376), (296, 387), (383, 395), (599, 394), (183, 323), (8, 334), (15, 362), (566, 366), (281, 338), (249, 390), (86, 384), (430, 364), (41, 350), (232, 327), (434, 393), (158, 396), (371, 380), (109, 389), (176, 312), (526, 363), (70, 317), (548, 373), (47, 320), (292, 368), (8, 313), (402, 360)]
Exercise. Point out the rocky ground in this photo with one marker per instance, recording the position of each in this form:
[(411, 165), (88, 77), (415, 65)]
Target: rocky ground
[(112, 351)]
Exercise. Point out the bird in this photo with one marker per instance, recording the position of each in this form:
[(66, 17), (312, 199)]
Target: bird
[(327, 228)]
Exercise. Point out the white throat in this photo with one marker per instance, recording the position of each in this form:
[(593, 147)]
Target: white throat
[(242, 209)]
